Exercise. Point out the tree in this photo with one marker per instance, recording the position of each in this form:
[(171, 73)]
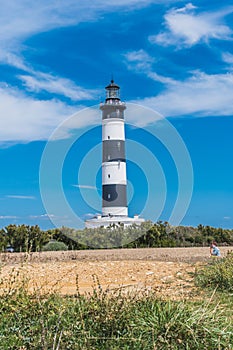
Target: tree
[(54, 246)]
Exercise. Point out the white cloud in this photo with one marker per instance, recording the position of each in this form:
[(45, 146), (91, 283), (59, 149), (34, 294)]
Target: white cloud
[(141, 62), (199, 95), (88, 187), (42, 216), (14, 196), (19, 19), (38, 81), (140, 55), (3, 217), (22, 117), (25, 119), (228, 58), (13, 60), (157, 77), (185, 27), (47, 82)]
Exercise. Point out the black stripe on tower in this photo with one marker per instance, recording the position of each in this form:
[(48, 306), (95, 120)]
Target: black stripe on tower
[(113, 150), (114, 195)]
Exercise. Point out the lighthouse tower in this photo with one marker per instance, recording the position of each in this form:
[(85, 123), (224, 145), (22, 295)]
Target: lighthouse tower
[(114, 182), (114, 179)]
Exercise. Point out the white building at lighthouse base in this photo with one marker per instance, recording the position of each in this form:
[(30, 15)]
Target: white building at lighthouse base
[(106, 221)]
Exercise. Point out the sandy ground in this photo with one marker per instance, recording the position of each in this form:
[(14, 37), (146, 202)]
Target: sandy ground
[(168, 271)]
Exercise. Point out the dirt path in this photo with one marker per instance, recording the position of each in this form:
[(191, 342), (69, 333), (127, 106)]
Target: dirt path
[(166, 270)]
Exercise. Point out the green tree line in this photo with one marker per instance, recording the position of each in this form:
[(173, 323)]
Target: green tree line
[(25, 238)]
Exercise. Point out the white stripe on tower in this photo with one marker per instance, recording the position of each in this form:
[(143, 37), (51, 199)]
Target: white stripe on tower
[(114, 181)]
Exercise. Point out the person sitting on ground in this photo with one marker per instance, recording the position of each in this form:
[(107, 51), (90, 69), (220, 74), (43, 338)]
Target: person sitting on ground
[(214, 250)]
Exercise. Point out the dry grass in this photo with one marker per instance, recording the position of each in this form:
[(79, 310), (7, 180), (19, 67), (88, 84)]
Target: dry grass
[(130, 306), (166, 270), (189, 255)]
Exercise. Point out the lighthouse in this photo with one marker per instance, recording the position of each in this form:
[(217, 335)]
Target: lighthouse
[(114, 181), (114, 175)]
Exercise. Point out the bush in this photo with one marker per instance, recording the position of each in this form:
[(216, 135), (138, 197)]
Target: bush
[(108, 320), (114, 321), (54, 246), (217, 274)]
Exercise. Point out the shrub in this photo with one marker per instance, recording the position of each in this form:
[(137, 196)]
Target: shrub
[(108, 320), (54, 246), (217, 274)]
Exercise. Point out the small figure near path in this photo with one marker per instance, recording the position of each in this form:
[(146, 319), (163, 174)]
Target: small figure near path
[(214, 250)]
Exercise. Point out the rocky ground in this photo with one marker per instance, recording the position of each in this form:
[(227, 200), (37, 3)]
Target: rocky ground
[(169, 271)]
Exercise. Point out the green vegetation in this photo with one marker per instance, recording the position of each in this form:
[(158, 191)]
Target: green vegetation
[(218, 274), (54, 246), (108, 320), (24, 238), (119, 319)]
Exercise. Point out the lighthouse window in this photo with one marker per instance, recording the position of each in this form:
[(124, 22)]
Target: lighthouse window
[(109, 195), (109, 157), (109, 176), (108, 137)]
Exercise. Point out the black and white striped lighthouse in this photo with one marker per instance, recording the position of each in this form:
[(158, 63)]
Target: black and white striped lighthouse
[(114, 181)]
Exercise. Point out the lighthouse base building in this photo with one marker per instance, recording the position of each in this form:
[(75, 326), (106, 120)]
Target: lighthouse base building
[(107, 221), (114, 179)]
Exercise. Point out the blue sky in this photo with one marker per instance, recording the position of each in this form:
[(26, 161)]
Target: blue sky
[(171, 57)]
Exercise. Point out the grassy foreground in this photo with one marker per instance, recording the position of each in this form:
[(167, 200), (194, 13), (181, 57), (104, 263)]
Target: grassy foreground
[(107, 320)]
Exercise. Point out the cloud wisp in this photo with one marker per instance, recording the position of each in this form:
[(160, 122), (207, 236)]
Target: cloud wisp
[(185, 27), (5, 217), (141, 62), (37, 81), (15, 196), (42, 216), (55, 85), (200, 95), (87, 187), (227, 57), (26, 119), (20, 21)]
